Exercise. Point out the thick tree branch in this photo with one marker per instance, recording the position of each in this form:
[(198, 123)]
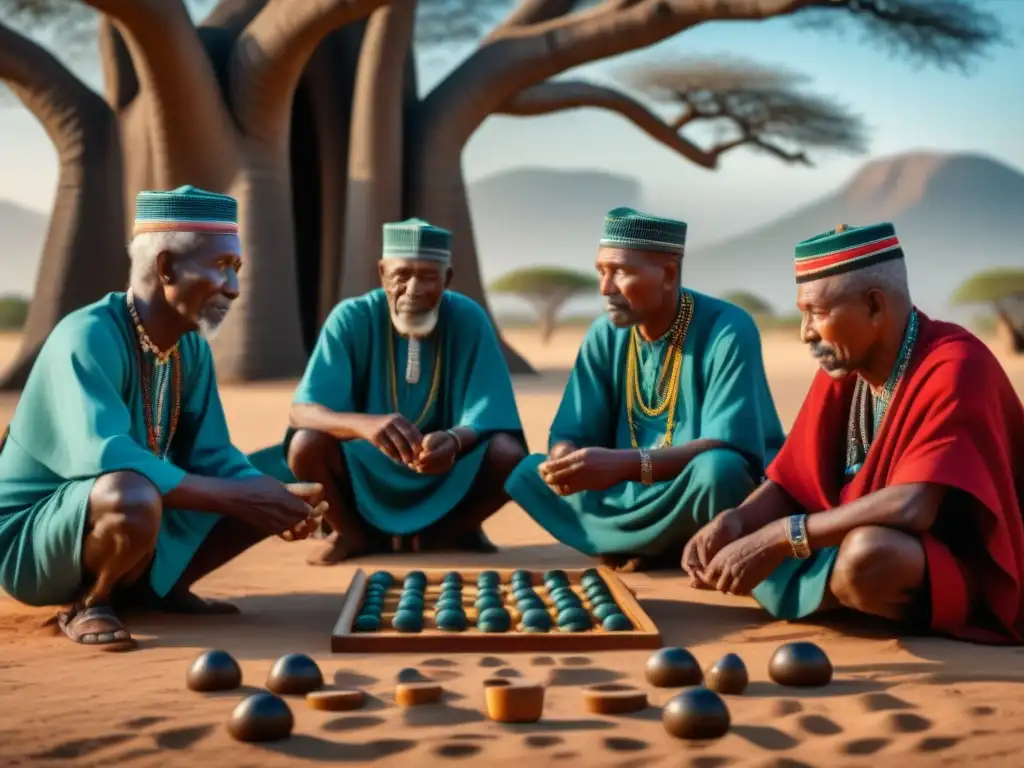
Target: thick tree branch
[(61, 102), (533, 12), (122, 85), (272, 52), (175, 73), (560, 95)]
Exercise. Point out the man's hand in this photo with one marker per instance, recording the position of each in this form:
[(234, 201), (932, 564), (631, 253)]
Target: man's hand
[(701, 549), (746, 562), (558, 450), (588, 469), (397, 437), (437, 454), (278, 509)]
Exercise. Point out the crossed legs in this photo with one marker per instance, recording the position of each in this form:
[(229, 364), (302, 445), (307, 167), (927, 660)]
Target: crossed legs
[(317, 457)]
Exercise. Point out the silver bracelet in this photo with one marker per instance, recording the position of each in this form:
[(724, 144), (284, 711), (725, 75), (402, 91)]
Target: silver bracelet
[(646, 468), (458, 440)]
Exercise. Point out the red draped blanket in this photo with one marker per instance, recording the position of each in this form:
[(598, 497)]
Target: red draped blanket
[(955, 421)]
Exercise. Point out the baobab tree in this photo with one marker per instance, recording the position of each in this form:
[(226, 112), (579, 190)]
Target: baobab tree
[(309, 111)]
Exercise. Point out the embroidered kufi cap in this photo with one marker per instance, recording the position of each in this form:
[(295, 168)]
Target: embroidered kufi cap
[(186, 209), (416, 239), (629, 228), (845, 249)]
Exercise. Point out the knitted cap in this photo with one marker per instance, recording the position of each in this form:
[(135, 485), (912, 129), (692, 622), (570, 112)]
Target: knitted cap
[(416, 239), (186, 209), (628, 228), (845, 249)]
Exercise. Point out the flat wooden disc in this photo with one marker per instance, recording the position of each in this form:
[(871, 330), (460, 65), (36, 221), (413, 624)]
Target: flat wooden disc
[(335, 701), (414, 694), (614, 699)]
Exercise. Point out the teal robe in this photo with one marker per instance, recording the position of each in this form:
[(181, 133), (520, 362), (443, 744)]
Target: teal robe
[(349, 372), (723, 395), (81, 416)]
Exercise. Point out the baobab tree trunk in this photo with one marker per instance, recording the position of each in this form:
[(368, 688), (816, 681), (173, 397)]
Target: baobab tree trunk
[(84, 255), (376, 160), (436, 191), (216, 111)]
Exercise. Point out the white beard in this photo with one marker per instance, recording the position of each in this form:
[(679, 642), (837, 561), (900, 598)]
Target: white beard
[(415, 327), (210, 326)]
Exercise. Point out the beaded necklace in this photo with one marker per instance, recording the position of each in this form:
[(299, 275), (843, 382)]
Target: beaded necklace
[(859, 434), (672, 365), (435, 383), (155, 416)]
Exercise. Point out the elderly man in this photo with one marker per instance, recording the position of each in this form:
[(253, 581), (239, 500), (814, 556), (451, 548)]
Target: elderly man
[(667, 418), (406, 413), (898, 492), (118, 478)]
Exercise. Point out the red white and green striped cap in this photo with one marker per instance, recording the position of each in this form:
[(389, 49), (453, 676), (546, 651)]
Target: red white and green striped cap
[(845, 249)]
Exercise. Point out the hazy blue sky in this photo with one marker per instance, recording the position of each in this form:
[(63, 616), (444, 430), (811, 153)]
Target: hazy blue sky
[(908, 109)]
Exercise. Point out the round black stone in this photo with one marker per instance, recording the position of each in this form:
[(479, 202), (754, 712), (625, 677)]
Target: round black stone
[(214, 671), (294, 673), (800, 665), (696, 713), (261, 717)]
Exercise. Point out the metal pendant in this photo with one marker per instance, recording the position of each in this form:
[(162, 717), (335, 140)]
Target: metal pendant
[(412, 364)]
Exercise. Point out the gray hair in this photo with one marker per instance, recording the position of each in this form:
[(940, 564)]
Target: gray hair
[(146, 246), (890, 277)]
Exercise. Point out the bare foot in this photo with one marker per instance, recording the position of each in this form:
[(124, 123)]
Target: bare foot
[(335, 550)]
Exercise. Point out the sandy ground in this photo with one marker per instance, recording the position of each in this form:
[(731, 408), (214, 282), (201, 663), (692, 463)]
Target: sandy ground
[(894, 701)]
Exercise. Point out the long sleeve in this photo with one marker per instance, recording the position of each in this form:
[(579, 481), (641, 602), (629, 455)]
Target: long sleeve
[(584, 416), (737, 407), (330, 377), (208, 450), (72, 417)]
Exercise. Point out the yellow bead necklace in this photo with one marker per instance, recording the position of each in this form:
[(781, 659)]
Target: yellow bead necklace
[(672, 364)]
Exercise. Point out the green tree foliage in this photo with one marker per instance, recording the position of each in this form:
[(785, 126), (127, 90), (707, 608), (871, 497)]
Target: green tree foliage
[(1003, 290), (547, 289), (750, 302), (13, 311)]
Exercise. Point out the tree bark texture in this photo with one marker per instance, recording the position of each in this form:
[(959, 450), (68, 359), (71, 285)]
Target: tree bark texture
[(84, 254), (214, 108)]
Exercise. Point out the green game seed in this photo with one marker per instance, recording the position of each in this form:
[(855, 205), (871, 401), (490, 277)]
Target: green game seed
[(448, 604), (575, 626), (488, 601), (494, 620), (536, 620), (617, 622), (596, 600), (450, 620), (407, 621), (367, 623), (573, 616), (603, 611)]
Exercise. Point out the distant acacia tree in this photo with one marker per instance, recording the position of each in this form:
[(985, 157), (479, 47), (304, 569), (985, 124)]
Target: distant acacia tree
[(310, 112), (1003, 290), (547, 289), (750, 302)]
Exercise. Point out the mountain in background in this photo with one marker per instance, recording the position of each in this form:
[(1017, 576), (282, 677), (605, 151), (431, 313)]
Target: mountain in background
[(955, 214), (23, 231)]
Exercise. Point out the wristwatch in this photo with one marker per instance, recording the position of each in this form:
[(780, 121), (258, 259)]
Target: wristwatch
[(796, 532)]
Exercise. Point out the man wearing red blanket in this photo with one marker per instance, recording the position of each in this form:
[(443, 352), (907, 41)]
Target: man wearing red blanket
[(899, 491)]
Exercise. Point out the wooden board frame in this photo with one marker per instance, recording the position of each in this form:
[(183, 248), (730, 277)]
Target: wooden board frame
[(471, 640)]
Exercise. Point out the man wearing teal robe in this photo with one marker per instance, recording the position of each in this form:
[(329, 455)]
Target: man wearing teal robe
[(667, 418), (406, 413), (118, 480)]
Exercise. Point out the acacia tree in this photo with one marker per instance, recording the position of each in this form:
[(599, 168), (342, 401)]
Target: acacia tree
[(751, 303), (547, 289), (357, 144), (1003, 291)]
